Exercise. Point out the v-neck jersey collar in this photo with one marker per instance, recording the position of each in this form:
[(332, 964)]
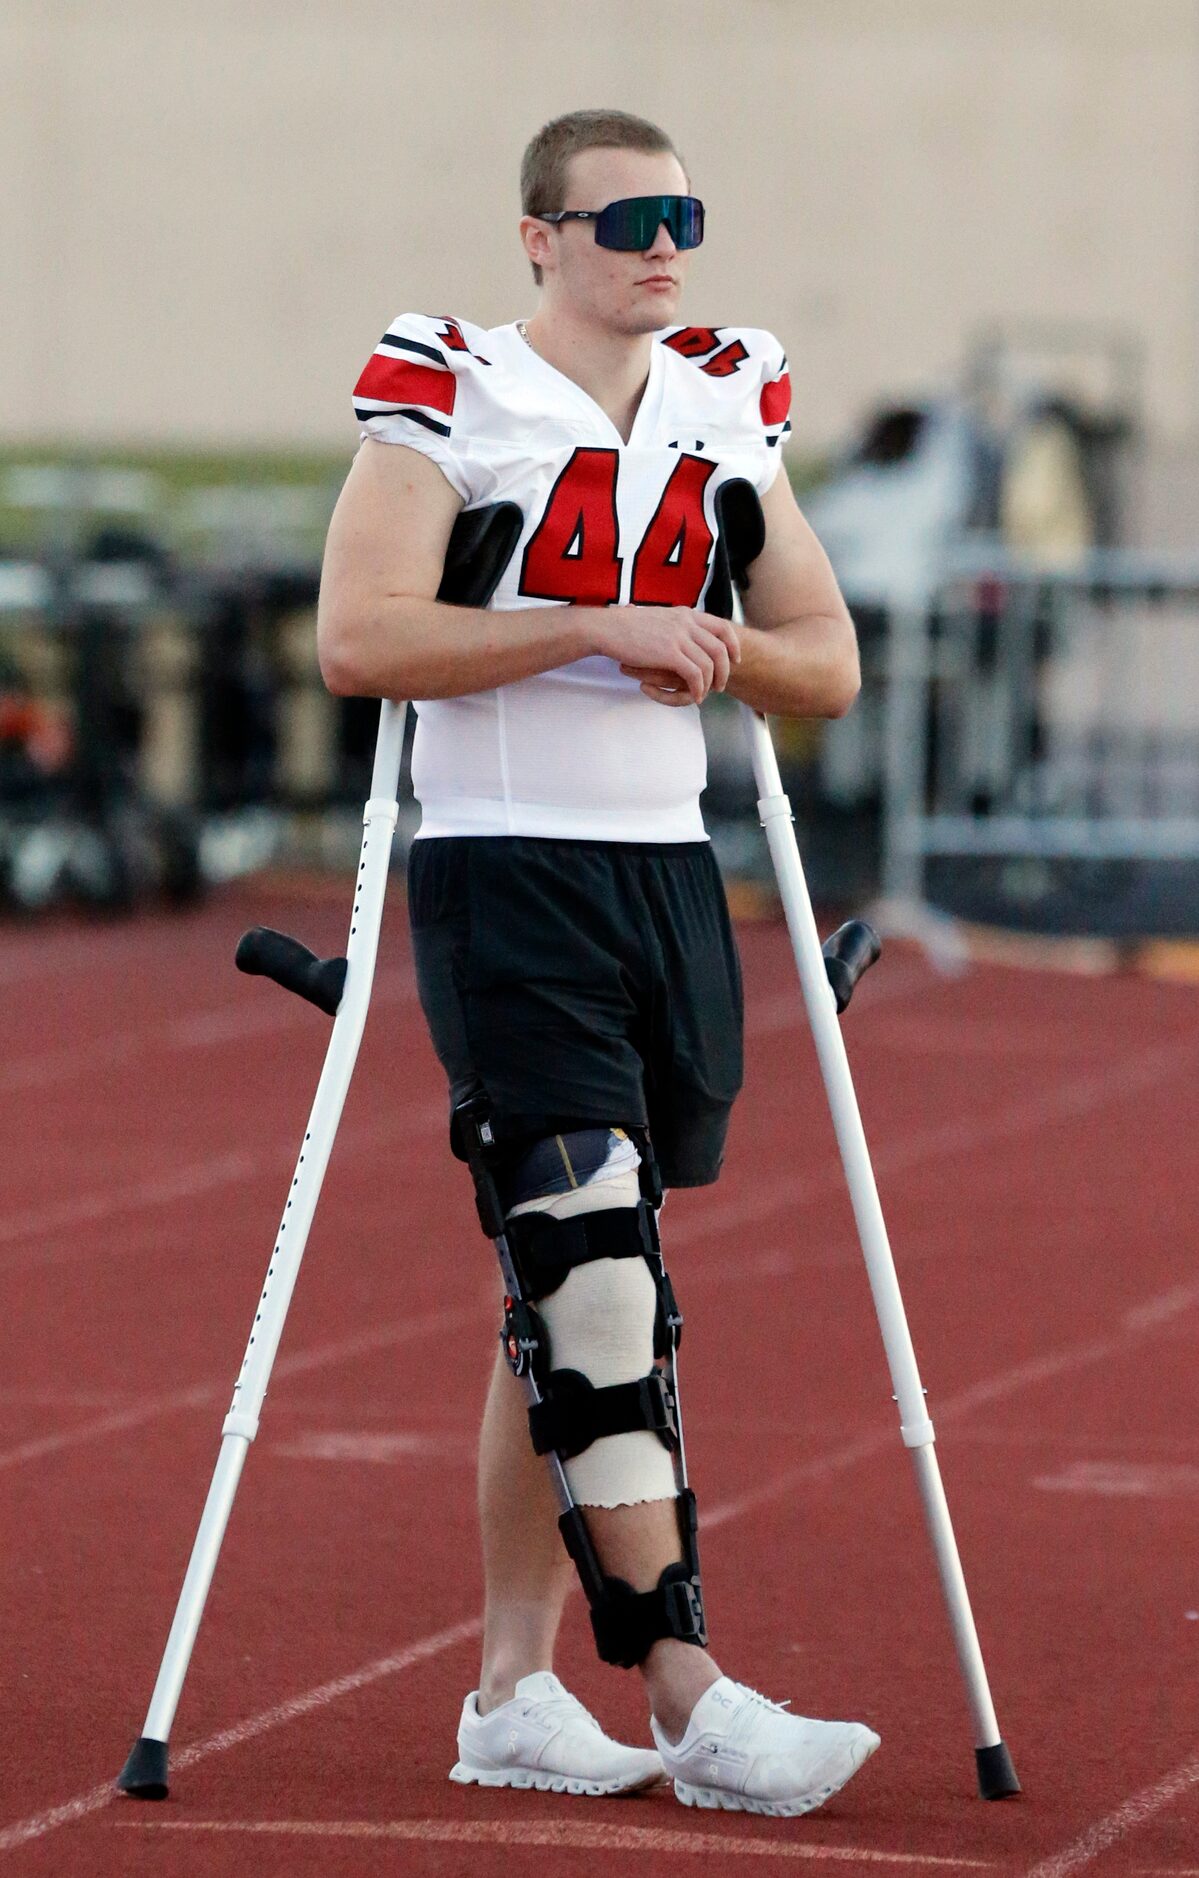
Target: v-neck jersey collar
[(651, 397)]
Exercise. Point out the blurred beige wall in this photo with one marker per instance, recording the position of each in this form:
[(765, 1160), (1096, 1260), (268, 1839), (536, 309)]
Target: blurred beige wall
[(211, 208)]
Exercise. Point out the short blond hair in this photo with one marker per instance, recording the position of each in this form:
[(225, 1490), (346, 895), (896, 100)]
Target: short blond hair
[(544, 164)]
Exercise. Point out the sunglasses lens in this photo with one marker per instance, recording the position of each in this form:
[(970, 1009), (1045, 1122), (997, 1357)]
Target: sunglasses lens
[(633, 223), (687, 226)]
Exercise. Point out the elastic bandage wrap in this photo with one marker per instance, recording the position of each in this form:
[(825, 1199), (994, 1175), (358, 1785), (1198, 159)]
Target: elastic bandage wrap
[(600, 1319)]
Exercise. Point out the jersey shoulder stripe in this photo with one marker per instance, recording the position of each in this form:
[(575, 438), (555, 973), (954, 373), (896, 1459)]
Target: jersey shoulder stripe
[(413, 388), (412, 376), (387, 380)]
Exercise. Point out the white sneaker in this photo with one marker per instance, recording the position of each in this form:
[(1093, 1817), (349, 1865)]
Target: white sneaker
[(747, 1755), (544, 1738)]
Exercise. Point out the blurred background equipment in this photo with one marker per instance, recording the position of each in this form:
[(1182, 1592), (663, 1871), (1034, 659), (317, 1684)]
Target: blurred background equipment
[(1023, 750), (982, 265)]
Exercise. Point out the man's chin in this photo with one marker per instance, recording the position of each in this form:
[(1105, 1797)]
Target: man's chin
[(650, 318)]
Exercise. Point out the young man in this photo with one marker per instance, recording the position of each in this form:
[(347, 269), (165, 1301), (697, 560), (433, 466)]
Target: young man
[(573, 950)]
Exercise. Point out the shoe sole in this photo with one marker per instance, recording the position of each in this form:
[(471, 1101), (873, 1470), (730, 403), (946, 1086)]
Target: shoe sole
[(543, 1782), (721, 1798)]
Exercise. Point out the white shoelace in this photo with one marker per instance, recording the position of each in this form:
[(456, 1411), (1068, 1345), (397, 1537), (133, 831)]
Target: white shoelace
[(564, 1705), (743, 1720)]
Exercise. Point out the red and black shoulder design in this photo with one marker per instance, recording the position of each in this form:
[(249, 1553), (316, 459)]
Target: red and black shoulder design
[(712, 349), (413, 373), (754, 365), (774, 400)]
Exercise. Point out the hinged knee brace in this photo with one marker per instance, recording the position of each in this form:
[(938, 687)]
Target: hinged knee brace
[(568, 1411)]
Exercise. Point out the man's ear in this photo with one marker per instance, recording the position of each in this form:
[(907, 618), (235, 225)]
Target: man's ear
[(536, 238)]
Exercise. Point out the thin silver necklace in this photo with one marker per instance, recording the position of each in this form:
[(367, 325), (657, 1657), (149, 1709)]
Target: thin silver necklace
[(523, 330)]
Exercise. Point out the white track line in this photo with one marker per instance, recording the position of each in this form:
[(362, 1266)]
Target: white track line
[(1106, 1832), (225, 1024), (185, 1183), (320, 1697), (1073, 1099), (834, 1461), (1068, 1101), (562, 1835), (201, 1395), (84, 1209), (952, 1408), (205, 1029), (1138, 1320)]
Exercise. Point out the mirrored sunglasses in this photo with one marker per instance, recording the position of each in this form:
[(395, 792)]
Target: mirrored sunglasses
[(633, 223)]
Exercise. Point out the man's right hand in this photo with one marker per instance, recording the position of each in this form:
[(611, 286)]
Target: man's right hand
[(676, 652)]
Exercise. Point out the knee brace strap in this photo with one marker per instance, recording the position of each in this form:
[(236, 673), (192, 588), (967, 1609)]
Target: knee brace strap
[(573, 1413), (628, 1623), (547, 1250)]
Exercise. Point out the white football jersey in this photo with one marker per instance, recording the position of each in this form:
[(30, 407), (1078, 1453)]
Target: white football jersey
[(579, 751)]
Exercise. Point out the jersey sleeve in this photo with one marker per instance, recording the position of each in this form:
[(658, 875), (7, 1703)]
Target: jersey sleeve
[(411, 392), (774, 395), (749, 390), (768, 398)]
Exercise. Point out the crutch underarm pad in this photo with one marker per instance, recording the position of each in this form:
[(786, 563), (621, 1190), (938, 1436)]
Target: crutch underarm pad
[(273, 955), (851, 950), (628, 1623), (573, 1412)]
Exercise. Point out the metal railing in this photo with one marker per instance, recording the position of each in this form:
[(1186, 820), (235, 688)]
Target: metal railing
[(1043, 717)]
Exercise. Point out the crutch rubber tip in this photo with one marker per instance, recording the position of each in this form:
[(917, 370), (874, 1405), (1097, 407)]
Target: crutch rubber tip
[(144, 1774), (996, 1775)]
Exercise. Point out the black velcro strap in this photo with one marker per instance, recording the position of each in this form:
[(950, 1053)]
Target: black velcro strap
[(546, 1250), (573, 1413), (628, 1623)]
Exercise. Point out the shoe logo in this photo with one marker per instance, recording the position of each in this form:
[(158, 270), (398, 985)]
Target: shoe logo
[(713, 1770), (724, 1701), (512, 1741)]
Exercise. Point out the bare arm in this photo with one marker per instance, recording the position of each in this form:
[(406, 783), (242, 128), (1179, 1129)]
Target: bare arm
[(380, 630), (799, 654), (382, 633)]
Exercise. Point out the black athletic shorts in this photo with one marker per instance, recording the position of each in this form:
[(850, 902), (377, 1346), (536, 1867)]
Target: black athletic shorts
[(583, 982)]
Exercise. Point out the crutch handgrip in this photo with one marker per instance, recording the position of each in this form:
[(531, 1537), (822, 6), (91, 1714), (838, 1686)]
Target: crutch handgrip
[(274, 955), (851, 950)]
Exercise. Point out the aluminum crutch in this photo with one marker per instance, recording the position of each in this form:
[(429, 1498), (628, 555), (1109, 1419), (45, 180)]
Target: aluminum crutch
[(342, 987), (996, 1774), (480, 546)]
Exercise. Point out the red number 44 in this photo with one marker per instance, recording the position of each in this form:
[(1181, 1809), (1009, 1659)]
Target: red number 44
[(573, 552)]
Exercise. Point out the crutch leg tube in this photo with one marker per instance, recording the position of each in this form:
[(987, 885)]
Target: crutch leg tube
[(145, 1772), (996, 1774), (481, 544)]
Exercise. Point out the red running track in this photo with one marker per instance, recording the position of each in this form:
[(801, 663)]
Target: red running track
[(1034, 1136)]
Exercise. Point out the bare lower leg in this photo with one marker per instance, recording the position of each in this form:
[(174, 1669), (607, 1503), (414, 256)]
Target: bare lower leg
[(637, 1543), (528, 1575)]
